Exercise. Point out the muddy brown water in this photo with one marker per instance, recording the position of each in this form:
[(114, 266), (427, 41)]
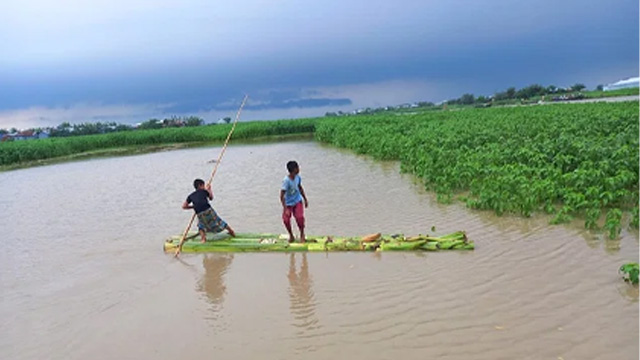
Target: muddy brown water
[(83, 275)]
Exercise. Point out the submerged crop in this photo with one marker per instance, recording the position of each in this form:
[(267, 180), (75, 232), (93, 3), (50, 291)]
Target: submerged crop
[(565, 160)]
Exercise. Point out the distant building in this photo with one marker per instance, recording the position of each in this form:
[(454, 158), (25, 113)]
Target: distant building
[(25, 135), (623, 84)]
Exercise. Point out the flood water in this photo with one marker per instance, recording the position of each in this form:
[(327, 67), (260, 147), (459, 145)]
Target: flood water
[(83, 275)]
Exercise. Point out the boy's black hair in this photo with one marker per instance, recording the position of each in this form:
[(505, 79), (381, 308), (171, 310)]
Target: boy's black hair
[(197, 183), (291, 166)]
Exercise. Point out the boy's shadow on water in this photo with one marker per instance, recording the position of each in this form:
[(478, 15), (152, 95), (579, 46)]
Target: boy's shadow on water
[(301, 296), (212, 282)]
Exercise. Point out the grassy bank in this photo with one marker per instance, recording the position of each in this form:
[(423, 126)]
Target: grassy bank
[(566, 160), (34, 152)]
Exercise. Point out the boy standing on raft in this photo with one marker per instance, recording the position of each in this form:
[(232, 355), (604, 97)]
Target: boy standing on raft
[(208, 220), (291, 196)]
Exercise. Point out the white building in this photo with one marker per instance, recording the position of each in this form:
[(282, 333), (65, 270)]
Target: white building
[(622, 84)]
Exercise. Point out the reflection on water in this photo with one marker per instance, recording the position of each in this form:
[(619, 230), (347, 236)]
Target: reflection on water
[(628, 291), (212, 282), (301, 295)]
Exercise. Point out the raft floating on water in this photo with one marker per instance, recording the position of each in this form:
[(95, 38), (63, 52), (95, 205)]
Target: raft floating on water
[(248, 242)]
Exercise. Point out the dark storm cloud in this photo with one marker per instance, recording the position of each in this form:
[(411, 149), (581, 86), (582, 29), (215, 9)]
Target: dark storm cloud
[(194, 56)]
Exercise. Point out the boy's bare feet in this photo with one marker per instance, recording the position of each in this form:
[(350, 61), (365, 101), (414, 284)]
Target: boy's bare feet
[(230, 231), (303, 239), (291, 238)]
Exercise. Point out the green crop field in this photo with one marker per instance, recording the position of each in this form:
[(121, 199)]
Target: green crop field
[(566, 160), (17, 152)]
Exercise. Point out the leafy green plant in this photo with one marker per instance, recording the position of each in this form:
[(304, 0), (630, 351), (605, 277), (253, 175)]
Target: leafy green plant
[(562, 216), (612, 223), (634, 217), (630, 272)]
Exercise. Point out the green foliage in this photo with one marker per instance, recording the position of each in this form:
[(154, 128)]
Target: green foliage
[(578, 87), (193, 121), (569, 161), (467, 99), (592, 215), (630, 272), (425, 104), (151, 124), (66, 129), (562, 216), (612, 223), (531, 91), (63, 129), (23, 151)]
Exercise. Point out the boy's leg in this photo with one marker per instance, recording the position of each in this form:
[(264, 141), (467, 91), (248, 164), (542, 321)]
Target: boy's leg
[(286, 219), (298, 213), (230, 230), (203, 236)]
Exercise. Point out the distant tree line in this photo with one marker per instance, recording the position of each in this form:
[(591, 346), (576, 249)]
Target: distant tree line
[(369, 110), (174, 121), (510, 94), (525, 93), (67, 129)]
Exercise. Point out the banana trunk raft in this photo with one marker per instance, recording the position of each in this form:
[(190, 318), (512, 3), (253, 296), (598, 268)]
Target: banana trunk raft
[(248, 242)]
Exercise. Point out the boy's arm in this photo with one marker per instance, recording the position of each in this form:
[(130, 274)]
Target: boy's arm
[(210, 191), (186, 206), (282, 199), (306, 202)]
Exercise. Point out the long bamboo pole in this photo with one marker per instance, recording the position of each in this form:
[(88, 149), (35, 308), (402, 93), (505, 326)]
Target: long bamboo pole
[(213, 173)]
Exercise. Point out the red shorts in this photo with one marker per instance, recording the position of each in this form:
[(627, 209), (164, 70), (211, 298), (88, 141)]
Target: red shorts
[(297, 211)]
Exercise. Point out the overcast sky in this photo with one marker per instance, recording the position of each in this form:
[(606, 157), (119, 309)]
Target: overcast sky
[(127, 61)]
